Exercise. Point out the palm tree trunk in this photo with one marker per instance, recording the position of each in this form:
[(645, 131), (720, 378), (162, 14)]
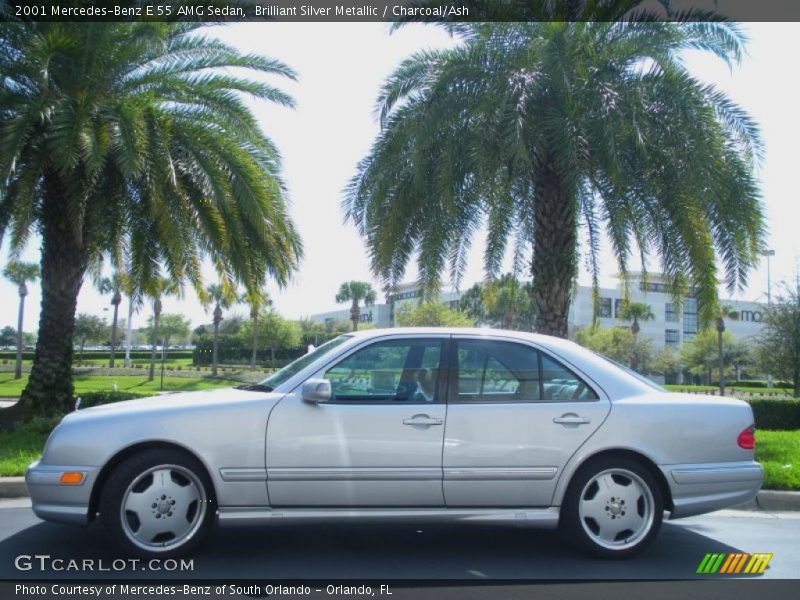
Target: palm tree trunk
[(721, 365), (255, 342), (113, 335), (18, 365), (64, 261), (554, 252), (355, 313), (215, 351), (129, 333), (154, 344)]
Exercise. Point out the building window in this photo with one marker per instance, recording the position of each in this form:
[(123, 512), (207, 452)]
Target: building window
[(617, 307), (670, 314), (690, 317), (604, 308), (671, 337)]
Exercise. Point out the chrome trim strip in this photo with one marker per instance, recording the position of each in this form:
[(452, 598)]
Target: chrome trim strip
[(545, 518), (500, 473), (368, 474), (707, 475), (243, 474)]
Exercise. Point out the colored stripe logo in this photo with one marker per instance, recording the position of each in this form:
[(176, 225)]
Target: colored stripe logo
[(734, 563)]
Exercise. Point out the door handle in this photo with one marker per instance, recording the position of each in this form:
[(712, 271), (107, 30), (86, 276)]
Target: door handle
[(423, 420), (571, 419)]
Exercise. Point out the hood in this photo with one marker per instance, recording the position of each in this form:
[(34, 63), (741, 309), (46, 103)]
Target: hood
[(173, 401)]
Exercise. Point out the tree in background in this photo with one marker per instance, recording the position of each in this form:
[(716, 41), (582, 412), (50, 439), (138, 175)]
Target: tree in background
[(778, 347), (172, 328), (618, 344), (539, 128), (504, 303), (667, 363), (8, 337), (156, 289), (724, 312), (89, 328), (113, 285), (274, 332), (221, 296), (701, 354), (635, 312), (147, 144), (255, 299), (20, 274), (432, 314), (355, 292)]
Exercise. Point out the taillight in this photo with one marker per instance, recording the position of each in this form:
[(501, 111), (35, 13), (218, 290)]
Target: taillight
[(747, 439)]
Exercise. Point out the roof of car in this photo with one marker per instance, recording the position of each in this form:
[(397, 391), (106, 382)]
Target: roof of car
[(480, 331)]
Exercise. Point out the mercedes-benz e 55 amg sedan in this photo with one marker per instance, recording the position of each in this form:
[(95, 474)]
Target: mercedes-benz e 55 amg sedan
[(469, 425)]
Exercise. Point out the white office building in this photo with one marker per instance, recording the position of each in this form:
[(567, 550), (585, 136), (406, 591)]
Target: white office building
[(670, 327)]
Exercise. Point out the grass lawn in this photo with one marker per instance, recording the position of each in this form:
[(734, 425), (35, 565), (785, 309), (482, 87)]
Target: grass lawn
[(779, 454), (11, 388)]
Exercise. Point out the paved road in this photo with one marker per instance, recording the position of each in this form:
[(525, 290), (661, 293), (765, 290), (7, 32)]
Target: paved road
[(428, 552)]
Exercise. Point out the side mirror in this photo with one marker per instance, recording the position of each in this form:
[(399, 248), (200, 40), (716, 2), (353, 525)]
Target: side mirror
[(317, 390)]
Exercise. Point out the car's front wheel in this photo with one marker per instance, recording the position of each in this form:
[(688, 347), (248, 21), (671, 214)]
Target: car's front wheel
[(613, 507), (158, 503)]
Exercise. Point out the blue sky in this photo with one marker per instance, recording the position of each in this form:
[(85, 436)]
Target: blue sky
[(341, 68)]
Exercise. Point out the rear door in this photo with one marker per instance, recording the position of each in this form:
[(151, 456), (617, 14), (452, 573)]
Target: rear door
[(516, 414)]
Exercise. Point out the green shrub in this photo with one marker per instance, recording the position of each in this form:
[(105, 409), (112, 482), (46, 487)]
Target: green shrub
[(776, 414), (105, 397)]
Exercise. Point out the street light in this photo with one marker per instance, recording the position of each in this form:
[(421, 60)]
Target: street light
[(768, 254)]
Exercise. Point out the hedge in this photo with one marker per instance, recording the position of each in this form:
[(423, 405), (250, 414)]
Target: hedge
[(776, 414), (105, 354)]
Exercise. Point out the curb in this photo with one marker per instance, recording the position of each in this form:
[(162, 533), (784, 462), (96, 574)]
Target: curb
[(14, 487)]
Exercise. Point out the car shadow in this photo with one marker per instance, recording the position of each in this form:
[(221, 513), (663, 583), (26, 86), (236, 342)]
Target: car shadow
[(361, 552)]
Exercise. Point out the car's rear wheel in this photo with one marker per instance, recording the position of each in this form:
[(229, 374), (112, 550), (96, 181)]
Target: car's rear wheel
[(158, 503), (613, 507)]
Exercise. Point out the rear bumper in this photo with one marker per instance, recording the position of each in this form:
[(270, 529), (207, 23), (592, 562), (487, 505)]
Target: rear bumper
[(698, 489), (53, 501)]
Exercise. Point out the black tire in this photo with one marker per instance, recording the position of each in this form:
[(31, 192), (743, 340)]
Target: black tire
[(177, 469), (584, 529)]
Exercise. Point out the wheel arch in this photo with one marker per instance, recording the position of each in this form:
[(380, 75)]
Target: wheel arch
[(644, 460), (129, 451)]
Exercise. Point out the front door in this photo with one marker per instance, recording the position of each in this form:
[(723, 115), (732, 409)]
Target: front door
[(377, 443), (516, 416)]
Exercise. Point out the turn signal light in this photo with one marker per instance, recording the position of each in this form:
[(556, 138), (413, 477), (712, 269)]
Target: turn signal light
[(747, 439), (71, 478)]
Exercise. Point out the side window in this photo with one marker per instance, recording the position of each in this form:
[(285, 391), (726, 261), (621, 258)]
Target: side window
[(390, 371), (496, 372), (559, 384)]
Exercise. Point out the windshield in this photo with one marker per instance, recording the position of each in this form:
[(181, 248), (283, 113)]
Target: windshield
[(630, 371), (294, 367)]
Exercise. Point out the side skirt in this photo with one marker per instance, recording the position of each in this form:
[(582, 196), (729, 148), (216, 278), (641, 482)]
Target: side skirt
[(542, 518)]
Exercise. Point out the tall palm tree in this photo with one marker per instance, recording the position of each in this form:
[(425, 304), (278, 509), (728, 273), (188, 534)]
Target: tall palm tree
[(113, 285), (20, 274), (156, 289), (723, 312), (221, 296), (355, 292), (538, 128), (135, 132)]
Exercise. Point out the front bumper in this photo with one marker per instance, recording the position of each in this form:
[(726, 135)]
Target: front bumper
[(703, 488), (53, 501)]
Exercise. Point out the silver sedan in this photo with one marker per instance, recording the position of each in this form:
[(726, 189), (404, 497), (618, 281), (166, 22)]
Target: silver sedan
[(470, 425)]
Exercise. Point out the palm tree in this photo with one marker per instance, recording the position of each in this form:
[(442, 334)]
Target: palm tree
[(156, 289), (20, 274), (538, 128), (221, 296), (354, 292), (636, 312), (113, 285), (724, 312), (136, 132), (255, 300)]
